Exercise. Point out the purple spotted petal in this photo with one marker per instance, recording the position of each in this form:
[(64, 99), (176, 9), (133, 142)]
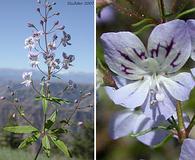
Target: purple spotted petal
[(170, 44), (124, 53), (165, 107), (191, 27), (179, 86), (187, 150)]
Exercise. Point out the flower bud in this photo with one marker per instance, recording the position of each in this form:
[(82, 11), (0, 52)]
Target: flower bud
[(57, 13), (41, 22), (38, 1), (2, 98), (56, 23), (55, 37), (30, 25), (61, 28), (38, 10), (54, 3)]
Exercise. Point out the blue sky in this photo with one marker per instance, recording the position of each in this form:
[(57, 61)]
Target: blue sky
[(78, 19)]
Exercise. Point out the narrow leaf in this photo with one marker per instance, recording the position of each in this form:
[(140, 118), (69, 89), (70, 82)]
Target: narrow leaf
[(46, 145), (60, 144), (145, 28), (21, 129), (29, 140), (143, 22), (185, 13), (51, 120), (169, 137)]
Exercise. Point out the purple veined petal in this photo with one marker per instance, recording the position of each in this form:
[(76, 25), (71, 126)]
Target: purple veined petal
[(124, 53), (179, 86), (193, 71), (187, 149), (170, 44), (191, 27), (133, 94), (156, 110)]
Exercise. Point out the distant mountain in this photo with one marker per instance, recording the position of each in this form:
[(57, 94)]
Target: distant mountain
[(15, 75)]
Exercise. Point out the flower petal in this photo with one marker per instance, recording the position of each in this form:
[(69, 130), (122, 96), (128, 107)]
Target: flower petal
[(191, 27), (193, 71), (170, 44), (123, 123), (179, 86), (124, 53), (187, 149), (133, 94), (164, 108), (133, 122)]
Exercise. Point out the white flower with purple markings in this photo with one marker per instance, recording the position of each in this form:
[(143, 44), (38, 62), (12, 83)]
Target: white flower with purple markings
[(150, 75), (33, 57), (27, 76), (30, 43)]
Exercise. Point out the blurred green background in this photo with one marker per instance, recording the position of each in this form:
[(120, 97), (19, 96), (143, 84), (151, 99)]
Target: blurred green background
[(117, 16)]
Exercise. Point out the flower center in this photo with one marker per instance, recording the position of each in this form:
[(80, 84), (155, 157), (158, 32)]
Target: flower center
[(151, 65)]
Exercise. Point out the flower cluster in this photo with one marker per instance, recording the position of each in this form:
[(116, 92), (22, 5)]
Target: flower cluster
[(147, 82), (56, 37)]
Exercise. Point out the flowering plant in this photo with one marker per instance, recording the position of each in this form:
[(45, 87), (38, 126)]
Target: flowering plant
[(147, 82), (42, 46)]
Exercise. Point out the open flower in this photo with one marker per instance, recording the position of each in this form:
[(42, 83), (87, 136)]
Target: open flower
[(37, 35), (33, 57), (66, 38), (187, 149), (30, 43), (150, 76), (67, 60), (27, 78)]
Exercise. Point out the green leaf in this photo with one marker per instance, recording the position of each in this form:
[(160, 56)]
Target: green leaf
[(143, 22), (51, 120), (46, 145), (21, 129), (58, 100), (185, 13), (145, 28), (166, 139), (45, 104), (29, 140), (58, 131), (60, 144)]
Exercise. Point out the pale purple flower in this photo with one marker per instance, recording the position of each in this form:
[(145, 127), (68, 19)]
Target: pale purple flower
[(67, 60), (187, 150), (27, 76), (52, 46), (150, 79), (53, 63), (30, 43), (33, 57), (66, 38), (37, 35), (106, 16)]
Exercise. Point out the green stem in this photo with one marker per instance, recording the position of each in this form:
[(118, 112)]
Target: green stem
[(38, 152), (181, 126), (162, 10), (191, 125)]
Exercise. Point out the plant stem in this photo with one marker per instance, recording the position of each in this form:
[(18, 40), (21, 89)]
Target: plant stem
[(162, 10), (191, 125), (38, 151), (181, 126)]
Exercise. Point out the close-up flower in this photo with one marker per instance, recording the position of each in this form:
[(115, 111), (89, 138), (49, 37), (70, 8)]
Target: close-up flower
[(65, 40), (33, 57), (27, 77), (67, 60), (151, 79), (30, 43)]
